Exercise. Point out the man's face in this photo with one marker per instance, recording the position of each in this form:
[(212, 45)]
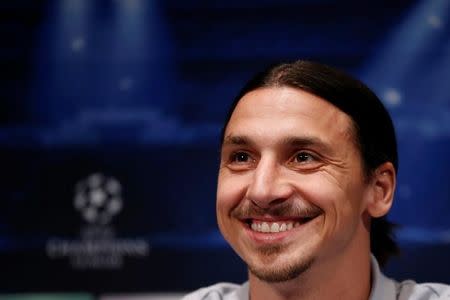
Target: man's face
[(291, 187)]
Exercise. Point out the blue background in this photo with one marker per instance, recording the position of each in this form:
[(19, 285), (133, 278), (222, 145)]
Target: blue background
[(139, 90)]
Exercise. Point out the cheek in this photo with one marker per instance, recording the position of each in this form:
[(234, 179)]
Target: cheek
[(320, 190), (230, 191), (339, 199)]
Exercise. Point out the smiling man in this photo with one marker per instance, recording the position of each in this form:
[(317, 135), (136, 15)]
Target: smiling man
[(307, 174)]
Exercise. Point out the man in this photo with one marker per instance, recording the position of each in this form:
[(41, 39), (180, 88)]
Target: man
[(307, 174)]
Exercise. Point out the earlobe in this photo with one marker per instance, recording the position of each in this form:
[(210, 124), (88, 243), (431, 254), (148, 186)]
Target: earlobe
[(383, 184)]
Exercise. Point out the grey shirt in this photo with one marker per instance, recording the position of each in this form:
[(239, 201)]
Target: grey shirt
[(383, 288)]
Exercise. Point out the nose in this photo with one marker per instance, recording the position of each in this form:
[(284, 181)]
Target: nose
[(268, 185)]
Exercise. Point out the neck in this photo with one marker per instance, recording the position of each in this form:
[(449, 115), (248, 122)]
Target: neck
[(327, 278)]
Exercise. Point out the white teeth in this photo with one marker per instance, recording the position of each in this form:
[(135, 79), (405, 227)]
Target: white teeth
[(265, 227), (273, 226)]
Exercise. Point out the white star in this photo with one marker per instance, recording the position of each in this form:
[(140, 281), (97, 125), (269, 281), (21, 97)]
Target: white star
[(94, 180), (392, 97), (77, 44), (98, 197), (114, 206), (112, 186), (90, 214), (125, 83), (79, 202), (434, 21)]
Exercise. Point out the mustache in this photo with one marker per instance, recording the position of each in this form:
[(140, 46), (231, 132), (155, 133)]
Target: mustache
[(291, 209)]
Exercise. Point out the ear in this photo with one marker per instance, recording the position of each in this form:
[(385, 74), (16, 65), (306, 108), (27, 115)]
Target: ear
[(383, 183)]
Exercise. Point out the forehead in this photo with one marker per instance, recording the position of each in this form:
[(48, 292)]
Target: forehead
[(284, 111)]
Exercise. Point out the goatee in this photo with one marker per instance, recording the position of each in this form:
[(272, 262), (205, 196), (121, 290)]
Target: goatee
[(274, 274)]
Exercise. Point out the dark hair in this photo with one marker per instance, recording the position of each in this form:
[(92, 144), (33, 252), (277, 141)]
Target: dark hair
[(373, 128)]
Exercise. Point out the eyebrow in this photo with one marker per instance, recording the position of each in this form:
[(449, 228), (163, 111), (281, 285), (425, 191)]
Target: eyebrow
[(294, 141), (303, 141), (237, 140)]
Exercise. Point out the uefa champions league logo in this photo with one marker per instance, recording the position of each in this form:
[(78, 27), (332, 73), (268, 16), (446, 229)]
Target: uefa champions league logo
[(98, 198)]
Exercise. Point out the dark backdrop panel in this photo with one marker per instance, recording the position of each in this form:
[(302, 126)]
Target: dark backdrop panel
[(110, 116)]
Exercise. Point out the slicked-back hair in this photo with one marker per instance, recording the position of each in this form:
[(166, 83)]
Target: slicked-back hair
[(372, 126)]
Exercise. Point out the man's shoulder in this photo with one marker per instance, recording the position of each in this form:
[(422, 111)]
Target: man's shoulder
[(385, 288), (220, 291), (405, 290), (411, 290)]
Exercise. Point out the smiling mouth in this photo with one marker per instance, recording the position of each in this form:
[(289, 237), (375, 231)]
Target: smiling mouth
[(275, 226)]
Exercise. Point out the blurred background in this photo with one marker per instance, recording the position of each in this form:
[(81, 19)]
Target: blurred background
[(110, 113)]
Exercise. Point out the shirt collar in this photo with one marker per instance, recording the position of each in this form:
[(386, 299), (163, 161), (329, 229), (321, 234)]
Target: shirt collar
[(383, 288)]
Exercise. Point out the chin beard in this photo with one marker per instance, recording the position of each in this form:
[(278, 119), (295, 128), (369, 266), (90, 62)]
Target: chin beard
[(276, 274)]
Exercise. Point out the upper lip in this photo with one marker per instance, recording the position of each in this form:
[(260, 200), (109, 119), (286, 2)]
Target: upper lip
[(273, 219), (279, 219), (286, 211)]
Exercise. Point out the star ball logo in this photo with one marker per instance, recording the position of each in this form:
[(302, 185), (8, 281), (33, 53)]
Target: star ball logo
[(98, 199)]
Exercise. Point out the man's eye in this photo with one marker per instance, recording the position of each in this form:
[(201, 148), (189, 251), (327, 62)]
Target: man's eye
[(304, 157), (240, 157)]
